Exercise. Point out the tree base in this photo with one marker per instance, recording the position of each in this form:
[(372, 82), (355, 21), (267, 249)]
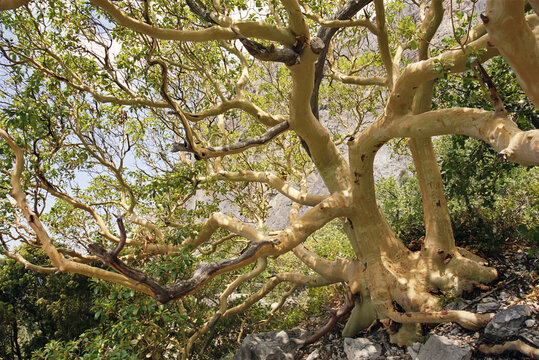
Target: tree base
[(405, 290)]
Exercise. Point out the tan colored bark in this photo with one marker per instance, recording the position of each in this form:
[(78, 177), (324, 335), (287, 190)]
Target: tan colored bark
[(28, 265), (439, 234), (359, 80), (45, 242), (340, 23), (325, 154), (332, 270), (247, 28), (272, 180), (509, 32), (383, 42), (385, 271), (498, 130)]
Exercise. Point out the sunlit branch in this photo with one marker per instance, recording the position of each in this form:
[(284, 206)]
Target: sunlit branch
[(219, 220), (248, 28), (296, 20), (340, 23), (28, 265), (242, 104), (452, 61), (516, 41), (45, 242), (498, 130), (383, 42), (274, 181), (335, 270), (358, 80)]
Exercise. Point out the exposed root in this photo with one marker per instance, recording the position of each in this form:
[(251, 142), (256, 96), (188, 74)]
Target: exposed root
[(466, 319), (335, 316), (405, 297), (517, 345)]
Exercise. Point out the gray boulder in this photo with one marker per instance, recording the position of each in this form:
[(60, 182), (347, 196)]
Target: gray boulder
[(442, 348), (508, 322), (361, 348), (273, 345)]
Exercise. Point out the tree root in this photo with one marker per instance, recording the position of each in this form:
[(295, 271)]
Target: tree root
[(466, 319), (335, 316), (516, 345)]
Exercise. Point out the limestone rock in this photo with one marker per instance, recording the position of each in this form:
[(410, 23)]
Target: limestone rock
[(441, 348), (507, 322), (487, 307), (413, 350), (361, 348), (273, 345)]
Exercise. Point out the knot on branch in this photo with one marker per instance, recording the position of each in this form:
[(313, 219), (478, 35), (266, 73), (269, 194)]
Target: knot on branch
[(269, 53), (317, 45)]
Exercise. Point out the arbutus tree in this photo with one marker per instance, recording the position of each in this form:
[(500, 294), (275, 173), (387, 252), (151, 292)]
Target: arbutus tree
[(101, 92)]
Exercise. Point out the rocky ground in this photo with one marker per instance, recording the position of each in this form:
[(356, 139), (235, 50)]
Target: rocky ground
[(513, 297)]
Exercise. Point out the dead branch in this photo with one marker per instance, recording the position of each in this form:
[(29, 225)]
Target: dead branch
[(335, 316), (240, 146), (181, 288)]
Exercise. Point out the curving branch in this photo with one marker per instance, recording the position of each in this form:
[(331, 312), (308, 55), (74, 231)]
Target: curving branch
[(182, 288), (240, 146), (74, 81), (28, 265), (45, 242), (517, 42), (383, 43), (336, 270), (242, 104), (339, 23), (219, 220), (248, 28), (359, 80), (274, 181), (495, 128)]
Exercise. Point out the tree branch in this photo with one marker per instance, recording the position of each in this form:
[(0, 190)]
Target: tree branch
[(275, 182), (496, 129), (248, 28), (182, 288), (326, 34), (518, 44), (240, 146)]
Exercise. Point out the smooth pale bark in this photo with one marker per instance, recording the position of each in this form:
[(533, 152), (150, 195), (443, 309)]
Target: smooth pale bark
[(385, 271), (509, 32), (250, 29), (439, 234)]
